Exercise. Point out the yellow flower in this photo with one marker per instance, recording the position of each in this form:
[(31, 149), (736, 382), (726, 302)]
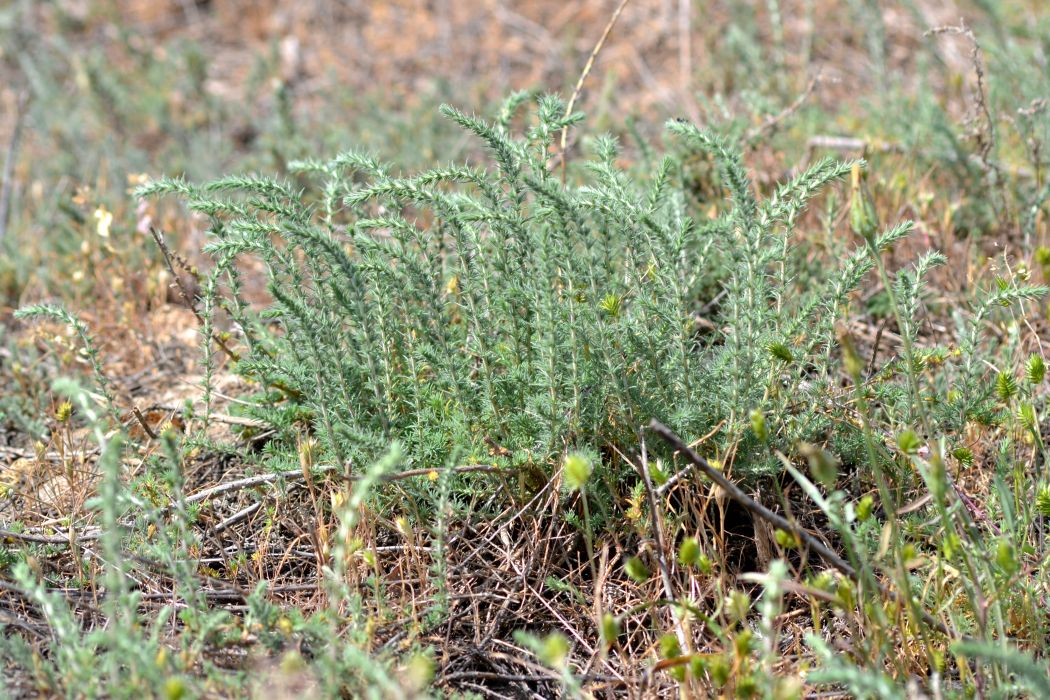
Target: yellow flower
[(63, 412), (105, 218)]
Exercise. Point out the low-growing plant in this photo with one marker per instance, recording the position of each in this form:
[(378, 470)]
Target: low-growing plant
[(534, 312), (499, 310)]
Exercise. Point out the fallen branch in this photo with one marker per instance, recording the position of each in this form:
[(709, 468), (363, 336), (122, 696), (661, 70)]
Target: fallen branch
[(49, 539), (759, 510), (753, 506)]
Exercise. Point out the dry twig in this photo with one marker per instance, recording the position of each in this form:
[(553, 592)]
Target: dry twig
[(759, 510), (583, 77)]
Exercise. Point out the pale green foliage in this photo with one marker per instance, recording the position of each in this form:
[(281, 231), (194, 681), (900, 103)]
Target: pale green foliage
[(57, 313), (464, 306)]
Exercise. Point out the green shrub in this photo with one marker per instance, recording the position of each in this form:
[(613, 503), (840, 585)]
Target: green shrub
[(463, 307)]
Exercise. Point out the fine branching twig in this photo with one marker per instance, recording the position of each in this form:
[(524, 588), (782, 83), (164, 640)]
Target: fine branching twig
[(771, 123), (187, 297), (583, 77)]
